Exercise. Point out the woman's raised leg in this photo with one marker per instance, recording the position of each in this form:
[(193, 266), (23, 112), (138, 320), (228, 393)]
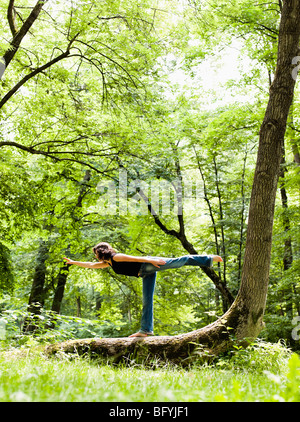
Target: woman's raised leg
[(171, 263)]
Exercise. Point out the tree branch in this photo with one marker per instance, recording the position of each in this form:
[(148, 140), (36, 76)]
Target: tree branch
[(11, 17), (18, 37), (221, 218), (118, 65), (208, 202), (35, 72), (220, 285), (31, 150)]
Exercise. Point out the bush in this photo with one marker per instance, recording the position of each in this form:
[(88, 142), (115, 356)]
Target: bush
[(50, 328), (256, 357)]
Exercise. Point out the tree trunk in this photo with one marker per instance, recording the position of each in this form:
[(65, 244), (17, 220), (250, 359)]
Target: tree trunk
[(288, 251), (98, 302), (78, 304), (244, 319), (60, 288), (36, 299), (227, 297), (64, 271), (254, 284)]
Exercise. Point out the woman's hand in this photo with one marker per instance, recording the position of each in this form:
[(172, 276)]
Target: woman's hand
[(69, 261), (157, 262)]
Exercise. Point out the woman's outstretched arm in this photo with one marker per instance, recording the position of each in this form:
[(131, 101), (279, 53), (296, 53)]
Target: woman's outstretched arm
[(93, 265)]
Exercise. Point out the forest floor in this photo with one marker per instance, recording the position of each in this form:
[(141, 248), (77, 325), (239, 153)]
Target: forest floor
[(263, 372)]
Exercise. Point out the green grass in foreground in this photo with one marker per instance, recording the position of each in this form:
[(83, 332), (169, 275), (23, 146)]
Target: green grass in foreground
[(263, 372)]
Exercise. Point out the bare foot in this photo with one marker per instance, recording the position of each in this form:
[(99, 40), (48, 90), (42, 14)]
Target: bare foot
[(217, 258), (138, 335)]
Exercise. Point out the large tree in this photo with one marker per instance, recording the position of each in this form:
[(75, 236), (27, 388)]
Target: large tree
[(244, 319)]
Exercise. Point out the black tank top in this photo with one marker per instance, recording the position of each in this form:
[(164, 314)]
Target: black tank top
[(125, 268)]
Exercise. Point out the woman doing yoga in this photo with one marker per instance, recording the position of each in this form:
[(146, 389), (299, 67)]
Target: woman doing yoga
[(146, 268)]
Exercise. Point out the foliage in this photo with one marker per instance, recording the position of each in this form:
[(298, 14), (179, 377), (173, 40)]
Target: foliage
[(256, 357), (51, 327)]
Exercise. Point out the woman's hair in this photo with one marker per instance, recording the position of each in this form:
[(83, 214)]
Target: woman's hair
[(103, 251)]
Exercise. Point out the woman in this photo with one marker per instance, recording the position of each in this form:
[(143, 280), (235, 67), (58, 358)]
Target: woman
[(145, 267)]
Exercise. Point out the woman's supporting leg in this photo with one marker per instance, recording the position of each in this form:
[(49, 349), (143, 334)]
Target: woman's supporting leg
[(147, 313)]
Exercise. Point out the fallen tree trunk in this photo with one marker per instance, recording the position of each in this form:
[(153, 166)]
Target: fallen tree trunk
[(244, 319), (205, 343), (176, 349)]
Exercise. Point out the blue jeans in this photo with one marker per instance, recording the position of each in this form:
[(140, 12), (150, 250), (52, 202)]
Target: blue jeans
[(148, 273)]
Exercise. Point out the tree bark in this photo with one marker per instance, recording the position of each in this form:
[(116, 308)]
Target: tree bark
[(244, 319)]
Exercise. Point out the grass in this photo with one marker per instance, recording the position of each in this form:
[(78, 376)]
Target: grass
[(263, 372)]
